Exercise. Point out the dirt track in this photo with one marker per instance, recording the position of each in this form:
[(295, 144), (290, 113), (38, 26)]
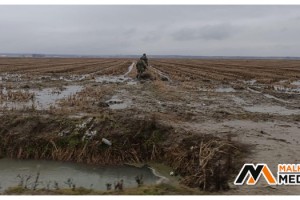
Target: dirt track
[(254, 101)]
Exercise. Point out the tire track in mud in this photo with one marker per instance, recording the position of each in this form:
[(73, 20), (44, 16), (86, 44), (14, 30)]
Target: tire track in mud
[(108, 70), (118, 78), (160, 73), (129, 69)]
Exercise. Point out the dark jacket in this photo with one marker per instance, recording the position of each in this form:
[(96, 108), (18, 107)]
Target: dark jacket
[(145, 59)]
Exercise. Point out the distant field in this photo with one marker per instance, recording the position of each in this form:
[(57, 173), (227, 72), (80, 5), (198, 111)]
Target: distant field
[(264, 70), (179, 69), (63, 65)]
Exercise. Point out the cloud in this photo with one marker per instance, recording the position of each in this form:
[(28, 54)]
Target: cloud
[(207, 32), (186, 30)]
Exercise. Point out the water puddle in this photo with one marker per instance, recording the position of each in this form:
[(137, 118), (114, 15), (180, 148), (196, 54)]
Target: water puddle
[(72, 78), (294, 87), (47, 97), (271, 110), (201, 89), (250, 82), (68, 78), (225, 89), (112, 79), (42, 99), (283, 81), (277, 99), (117, 79), (132, 83), (239, 100), (220, 89), (280, 88), (10, 77), (296, 83), (268, 95), (62, 174), (116, 103)]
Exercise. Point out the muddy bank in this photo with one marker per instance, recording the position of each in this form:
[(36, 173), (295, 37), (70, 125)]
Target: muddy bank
[(202, 161)]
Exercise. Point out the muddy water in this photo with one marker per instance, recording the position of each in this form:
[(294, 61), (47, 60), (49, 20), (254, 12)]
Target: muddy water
[(111, 79), (115, 103), (47, 97), (119, 101), (277, 99), (296, 83), (280, 88), (249, 82), (116, 79), (81, 175), (238, 100), (225, 89), (44, 98), (10, 77)]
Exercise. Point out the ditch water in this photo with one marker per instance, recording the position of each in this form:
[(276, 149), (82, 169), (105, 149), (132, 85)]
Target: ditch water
[(90, 177)]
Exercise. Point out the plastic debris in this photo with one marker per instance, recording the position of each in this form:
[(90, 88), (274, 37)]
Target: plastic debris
[(106, 141)]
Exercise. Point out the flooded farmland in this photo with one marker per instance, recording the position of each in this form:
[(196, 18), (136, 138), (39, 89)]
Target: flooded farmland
[(95, 112)]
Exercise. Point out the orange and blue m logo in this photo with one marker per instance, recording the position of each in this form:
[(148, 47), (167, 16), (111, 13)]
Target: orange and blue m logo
[(252, 173)]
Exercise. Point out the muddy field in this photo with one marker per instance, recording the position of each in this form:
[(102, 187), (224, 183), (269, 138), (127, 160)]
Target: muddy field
[(254, 103)]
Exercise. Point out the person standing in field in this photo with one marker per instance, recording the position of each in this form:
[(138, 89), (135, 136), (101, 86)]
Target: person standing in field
[(145, 59), (141, 66)]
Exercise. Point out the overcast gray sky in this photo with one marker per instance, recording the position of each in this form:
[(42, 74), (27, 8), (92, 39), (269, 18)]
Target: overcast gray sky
[(160, 30)]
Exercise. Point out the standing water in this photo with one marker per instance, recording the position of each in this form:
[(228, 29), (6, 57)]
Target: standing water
[(63, 173)]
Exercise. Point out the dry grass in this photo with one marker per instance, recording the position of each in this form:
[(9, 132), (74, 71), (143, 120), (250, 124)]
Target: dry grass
[(16, 96)]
